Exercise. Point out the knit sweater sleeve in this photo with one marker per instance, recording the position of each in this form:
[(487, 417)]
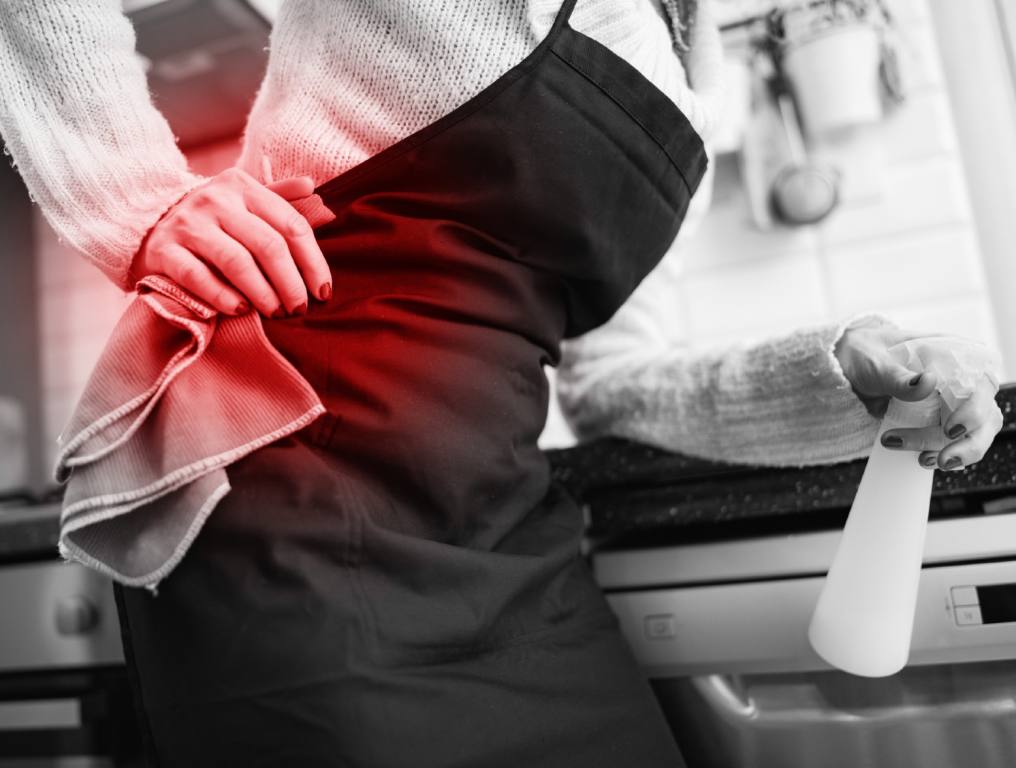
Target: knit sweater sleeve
[(782, 401), (77, 118)]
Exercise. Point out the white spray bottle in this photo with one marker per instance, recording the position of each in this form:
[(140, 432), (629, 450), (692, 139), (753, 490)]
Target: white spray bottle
[(864, 616)]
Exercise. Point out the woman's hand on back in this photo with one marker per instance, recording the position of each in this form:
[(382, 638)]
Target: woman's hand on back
[(234, 242), (876, 376)]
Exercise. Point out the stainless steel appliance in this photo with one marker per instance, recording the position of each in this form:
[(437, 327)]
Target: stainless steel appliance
[(64, 695), (721, 630), (714, 570)]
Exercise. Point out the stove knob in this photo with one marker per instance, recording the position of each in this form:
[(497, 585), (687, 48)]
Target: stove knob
[(76, 615)]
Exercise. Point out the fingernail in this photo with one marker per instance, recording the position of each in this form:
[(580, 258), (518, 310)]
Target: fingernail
[(916, 380), (300, 309), (326, 292), (929, 461), (242, 308), (952, 463), (956, 431), (279, 313), (892, 441)]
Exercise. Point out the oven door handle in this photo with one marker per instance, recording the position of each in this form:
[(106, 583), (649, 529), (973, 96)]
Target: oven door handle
[(806, 699)]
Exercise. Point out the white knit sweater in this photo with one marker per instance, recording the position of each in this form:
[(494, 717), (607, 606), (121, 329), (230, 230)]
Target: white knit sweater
[(344, 81)]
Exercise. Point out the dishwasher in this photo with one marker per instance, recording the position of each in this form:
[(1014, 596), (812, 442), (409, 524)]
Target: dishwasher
[(713, 571)]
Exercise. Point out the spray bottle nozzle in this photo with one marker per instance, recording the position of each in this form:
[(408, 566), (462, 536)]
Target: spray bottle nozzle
[(957, 363)]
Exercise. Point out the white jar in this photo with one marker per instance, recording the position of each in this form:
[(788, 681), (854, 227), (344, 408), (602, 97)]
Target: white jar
[(835, 76)]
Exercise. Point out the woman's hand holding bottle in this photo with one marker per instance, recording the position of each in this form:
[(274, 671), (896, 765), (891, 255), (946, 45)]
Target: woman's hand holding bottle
[(876, 375), (234, 242)]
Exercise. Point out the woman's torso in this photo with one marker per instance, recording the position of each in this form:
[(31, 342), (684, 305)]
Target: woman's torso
[(462, 255)]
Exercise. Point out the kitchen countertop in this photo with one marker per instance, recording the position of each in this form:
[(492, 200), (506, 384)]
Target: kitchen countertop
[(28, 531), (637, 495)]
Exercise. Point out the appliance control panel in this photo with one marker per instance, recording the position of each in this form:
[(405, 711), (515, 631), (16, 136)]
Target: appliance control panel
[(964, 613), (984, 604)]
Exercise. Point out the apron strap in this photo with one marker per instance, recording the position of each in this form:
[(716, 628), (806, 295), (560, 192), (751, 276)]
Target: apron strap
[(563, 14)]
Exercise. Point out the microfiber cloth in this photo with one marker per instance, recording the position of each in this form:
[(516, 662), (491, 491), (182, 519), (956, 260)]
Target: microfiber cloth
[(179, 393)]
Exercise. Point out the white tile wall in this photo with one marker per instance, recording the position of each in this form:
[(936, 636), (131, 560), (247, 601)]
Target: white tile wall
[(902, 241), (756, 296), (969, 315), (929, 266), (917, 195)]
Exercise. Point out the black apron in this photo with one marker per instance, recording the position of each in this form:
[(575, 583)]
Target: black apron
[(400, 584)]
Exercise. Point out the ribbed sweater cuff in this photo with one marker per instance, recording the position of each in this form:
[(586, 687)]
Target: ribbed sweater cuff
[(799, 406)]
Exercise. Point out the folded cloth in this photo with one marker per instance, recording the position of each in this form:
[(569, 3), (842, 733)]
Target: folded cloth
[(178, 393)]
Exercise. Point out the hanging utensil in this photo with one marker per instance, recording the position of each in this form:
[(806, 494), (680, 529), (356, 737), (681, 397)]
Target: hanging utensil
[(803, 192)]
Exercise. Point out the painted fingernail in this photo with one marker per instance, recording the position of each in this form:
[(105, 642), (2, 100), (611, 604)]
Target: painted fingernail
[(952, 463), (929, 461), (326, 292), (300, 309), (956, 431), (916, 380), (242, 308), (892, 441), (279, 313)]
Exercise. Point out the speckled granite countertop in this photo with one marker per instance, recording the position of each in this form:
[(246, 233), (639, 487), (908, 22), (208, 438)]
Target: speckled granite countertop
[(641, 496), (638, 495)]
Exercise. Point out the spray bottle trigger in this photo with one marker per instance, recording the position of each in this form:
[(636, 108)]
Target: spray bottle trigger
[(958, 364)]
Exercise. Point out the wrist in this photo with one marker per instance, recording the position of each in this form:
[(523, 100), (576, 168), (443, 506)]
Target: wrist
[(849, 353), (140, 265), (136, 269)]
